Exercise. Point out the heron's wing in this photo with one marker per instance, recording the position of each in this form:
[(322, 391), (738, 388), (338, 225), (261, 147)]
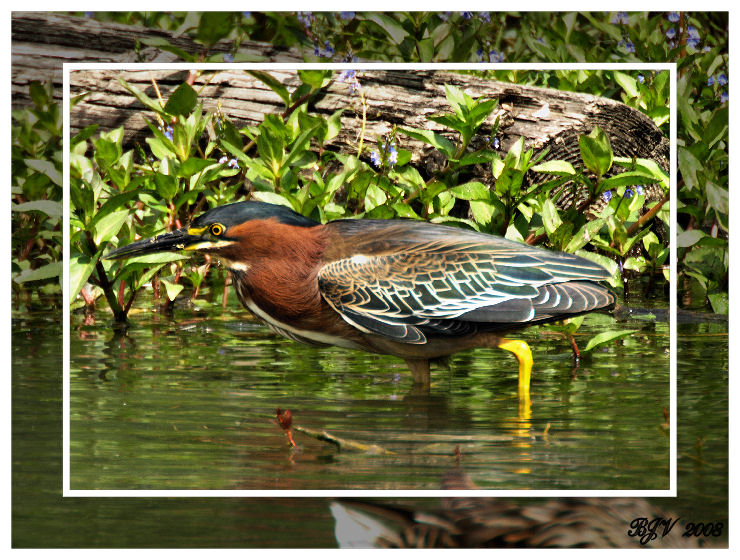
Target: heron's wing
[(443, 283)]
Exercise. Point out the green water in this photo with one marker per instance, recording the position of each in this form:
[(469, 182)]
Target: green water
[(187, 403)]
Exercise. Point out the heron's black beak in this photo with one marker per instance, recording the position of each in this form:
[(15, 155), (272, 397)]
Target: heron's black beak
[(177, 240)]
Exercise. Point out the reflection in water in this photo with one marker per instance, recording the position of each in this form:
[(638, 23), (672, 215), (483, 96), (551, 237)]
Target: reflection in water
[(190, 405), (190, 415)]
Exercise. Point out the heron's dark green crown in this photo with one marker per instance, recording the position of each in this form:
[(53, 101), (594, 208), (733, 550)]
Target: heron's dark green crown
[(240, 212)]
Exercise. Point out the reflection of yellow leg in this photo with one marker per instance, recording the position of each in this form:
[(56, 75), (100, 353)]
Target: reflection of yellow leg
[(524, 356)]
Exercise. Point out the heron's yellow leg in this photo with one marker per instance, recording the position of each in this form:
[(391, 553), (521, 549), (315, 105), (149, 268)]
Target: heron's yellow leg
[(524, 356)]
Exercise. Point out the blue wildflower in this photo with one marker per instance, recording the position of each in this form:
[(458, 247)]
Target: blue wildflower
[(306, 18), (480, 52), (233, 163), (375, 158), (639, 189), (671, 33), (486, 16), (89, 14), (495, 56), (228, 57), (326, 52), (620, 17), (710, 81), (673, 17), (723, 96), (328, 49), (223, 159), (350, 77), (247, 14), (722, 80), (628, 45), (346, 75), (466, 15), (392, 156), (693, 38), (641, 78), (606, 195), (444, 16), (496, 143), (628, 193), (347, 15), (168, 133)]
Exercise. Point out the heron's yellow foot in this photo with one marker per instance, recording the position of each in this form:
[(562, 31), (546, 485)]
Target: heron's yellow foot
[(524, 356)]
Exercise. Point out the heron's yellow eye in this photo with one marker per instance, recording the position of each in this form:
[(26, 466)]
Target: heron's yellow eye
[(217, 229)]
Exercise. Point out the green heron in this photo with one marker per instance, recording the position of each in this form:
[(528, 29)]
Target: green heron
[(410, 289)]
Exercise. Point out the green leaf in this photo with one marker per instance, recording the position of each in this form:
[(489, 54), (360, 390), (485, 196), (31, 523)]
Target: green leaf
[(690, 166), (604, 337), (626, 179), (720, 303), (451, 121), (214, 26), (172, 289), (584, 235), (555, 167), (611, 266), (109, 225), (163, 44), (628, 83), (272, 198), (596, 151), (550, 217), (143, 98), (717, 197), (182, 101), (316, 79), (389, 24), (273, 83), (716, 128), (160, 149), (83, 134), (51, 270), (80, 268), (473, 190), (374, 197), (156, 258), (481, 111), (51, 208), (166, 186), (458, 100), (648, 168), (482, 211), (45, 167), (39, 95), (425, 48), (403, 210), (333, 126), (689, 238), (193, 165), (432, 138)]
